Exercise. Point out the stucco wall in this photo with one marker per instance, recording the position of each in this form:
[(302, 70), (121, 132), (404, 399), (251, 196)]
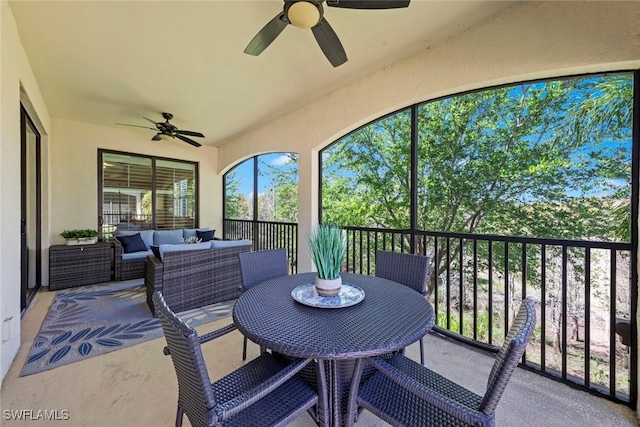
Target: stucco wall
[(14, 70), (74, 172), (532, 40)]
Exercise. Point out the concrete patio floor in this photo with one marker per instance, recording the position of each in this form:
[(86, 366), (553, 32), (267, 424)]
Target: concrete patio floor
[(136, 386)]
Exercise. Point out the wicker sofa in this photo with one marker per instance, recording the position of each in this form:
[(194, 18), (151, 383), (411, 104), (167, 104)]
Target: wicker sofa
[(129, 266), (195, 278)]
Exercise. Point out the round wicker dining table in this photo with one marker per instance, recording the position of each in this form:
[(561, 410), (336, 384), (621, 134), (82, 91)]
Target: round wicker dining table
[(390, 317)]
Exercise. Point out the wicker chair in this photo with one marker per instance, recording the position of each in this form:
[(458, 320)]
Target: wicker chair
[(410, 270), (258, 266), (405, 393), (264, 392)]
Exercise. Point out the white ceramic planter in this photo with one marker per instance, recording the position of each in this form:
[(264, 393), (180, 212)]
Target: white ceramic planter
[(82, 241), (328, 288)]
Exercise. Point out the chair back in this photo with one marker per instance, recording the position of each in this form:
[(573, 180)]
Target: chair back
[(408, 269), (258, 266), (195, 394), (509, 355)]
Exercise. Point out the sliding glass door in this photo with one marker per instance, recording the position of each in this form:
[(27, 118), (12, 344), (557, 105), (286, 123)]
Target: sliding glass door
[(30, 256), (143, 192)]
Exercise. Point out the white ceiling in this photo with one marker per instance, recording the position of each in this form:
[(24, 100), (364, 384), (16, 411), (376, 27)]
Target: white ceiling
[(107, 62)]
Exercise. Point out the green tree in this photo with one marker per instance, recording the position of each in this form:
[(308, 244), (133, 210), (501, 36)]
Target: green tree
[(511, 161), (280, 201), (237, 205)]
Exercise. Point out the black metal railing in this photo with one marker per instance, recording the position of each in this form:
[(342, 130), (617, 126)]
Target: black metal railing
[(266, 235), (582, 289), (111, 220)]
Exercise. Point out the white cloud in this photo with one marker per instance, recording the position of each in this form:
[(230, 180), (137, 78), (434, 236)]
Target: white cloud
[(281, 160)]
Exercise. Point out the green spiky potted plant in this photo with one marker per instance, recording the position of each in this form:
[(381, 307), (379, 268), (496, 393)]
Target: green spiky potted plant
[(327, 244)]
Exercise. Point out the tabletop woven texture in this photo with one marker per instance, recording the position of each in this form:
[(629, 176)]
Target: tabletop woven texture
[(390, 317)]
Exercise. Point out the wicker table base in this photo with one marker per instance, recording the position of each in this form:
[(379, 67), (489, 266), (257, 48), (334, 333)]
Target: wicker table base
[(390, 317)]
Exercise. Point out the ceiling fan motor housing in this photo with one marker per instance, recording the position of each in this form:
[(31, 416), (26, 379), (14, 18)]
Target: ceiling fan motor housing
[(304, 13)]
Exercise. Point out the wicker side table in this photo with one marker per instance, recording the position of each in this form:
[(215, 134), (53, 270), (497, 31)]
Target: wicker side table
[(78, 265)]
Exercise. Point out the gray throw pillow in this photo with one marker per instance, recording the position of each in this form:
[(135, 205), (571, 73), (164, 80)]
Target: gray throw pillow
[(167, 237)]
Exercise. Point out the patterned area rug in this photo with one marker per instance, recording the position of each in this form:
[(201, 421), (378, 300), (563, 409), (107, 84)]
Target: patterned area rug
[(93, 320)]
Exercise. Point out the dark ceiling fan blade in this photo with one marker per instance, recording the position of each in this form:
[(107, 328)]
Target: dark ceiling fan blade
[(190, 133), (136, 126), (156, 137), (267, 35), (155, 123), (329, 43), (187, 140), (370, 4)]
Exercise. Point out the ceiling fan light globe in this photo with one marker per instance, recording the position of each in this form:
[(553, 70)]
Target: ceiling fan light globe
[(303, 14), (165, 137)]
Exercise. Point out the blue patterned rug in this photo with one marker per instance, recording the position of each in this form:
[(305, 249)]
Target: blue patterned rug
[(93, 320)]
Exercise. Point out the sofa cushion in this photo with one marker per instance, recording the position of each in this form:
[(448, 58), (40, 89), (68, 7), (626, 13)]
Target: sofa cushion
[(132, 243), (191, 232), (136, 255), (206, 236), (167, 237), (175, 248), (217, 244), (147, 236)]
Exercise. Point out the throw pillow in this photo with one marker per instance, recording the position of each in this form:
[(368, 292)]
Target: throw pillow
[(147, 236), (205, 235), (167, 237), (132, 243)]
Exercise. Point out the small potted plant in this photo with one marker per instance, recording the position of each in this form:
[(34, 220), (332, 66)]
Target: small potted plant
[(80, 237), (327, 244)]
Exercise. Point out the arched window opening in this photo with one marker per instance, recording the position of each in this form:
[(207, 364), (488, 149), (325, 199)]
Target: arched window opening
[(512, 191), (261, 202)]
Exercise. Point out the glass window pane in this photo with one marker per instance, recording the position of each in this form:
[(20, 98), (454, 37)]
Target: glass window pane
[(543, 159), (278, 187), (366, 175), (175, 194), (239, 191), (126, 190)]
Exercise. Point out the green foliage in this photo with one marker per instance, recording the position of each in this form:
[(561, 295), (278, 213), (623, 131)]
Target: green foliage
[(77, 234), (327, 244), (482, 325), (278, 202), (237, 205), (146, 204), (544, 159)]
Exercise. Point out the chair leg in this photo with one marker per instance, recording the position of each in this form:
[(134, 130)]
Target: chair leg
[(422, 351), (244, 349), (179, 414)]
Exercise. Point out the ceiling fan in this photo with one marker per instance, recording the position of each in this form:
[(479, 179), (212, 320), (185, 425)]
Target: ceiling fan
[(310, 14), (167, 129)]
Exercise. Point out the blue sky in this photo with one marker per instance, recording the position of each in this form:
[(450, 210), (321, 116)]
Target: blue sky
[(245, 172)]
